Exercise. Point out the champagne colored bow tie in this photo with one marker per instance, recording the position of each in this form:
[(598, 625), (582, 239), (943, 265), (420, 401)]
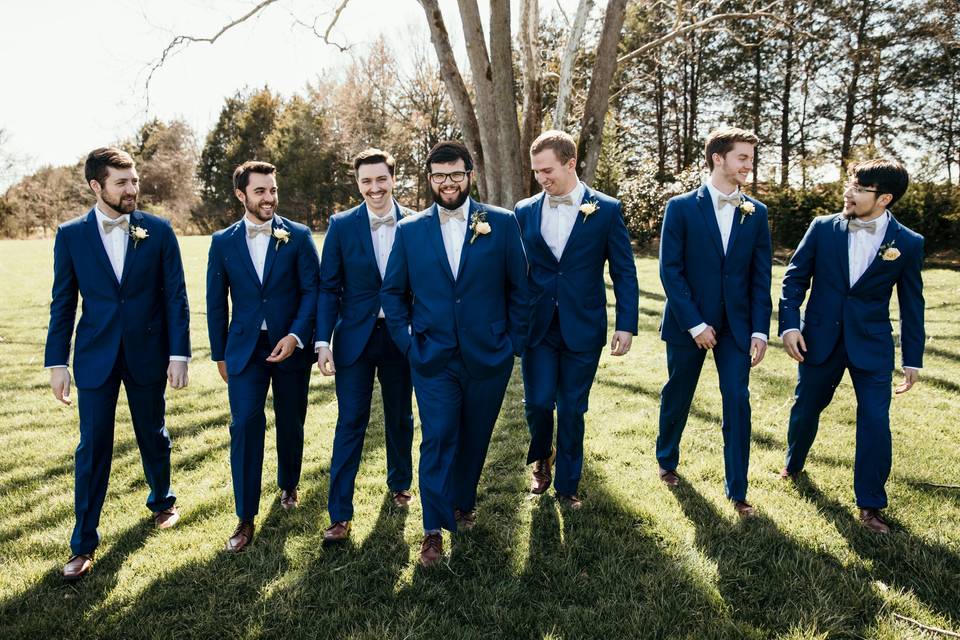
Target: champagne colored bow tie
[(556, 201), (253, 231), (733, 200), (110, 225), (869, 227), (447, 214), (387, 220)]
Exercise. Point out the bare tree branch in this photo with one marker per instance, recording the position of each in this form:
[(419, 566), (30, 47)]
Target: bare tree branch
[(567, 63), (944, 632)]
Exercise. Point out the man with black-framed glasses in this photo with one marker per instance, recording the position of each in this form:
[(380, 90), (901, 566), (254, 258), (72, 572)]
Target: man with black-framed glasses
[(455, 299), (854, 259)]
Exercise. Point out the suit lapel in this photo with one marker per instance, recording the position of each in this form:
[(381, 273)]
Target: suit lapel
[(709, 218), (136, 219), (272, 247), (893, 228), (436, 239), (240, 245), (738, 221), (840, 243), (474, 207), (362, 222), (96, 244), (538, 225)]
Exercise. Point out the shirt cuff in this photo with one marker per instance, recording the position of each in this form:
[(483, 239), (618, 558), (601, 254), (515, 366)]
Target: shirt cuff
[(914, 368), (786, 331), (319, 344), (697, 330), (297, 338), (761, 336), (179, 359), (56, 366)]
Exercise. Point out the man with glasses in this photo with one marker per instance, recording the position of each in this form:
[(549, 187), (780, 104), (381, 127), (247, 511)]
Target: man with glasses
[(854, 259), (455, 300)]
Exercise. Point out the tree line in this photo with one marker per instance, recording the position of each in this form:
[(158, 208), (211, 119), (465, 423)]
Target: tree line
[(822, 82)]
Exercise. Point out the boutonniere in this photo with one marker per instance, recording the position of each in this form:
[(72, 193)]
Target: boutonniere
[(282, 235), (479, 226), (589, 208), (138, 234), (888, 252), (746, 209)]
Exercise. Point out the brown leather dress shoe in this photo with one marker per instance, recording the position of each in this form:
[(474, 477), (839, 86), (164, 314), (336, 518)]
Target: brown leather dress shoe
[(743, 509), (541, 477), (466, 520), (241, 538), (77, 567), (669, 478), (167, 518), (402, 499), (431, 549), (289, 499), (336, 532), (873, 520), (573, 502)]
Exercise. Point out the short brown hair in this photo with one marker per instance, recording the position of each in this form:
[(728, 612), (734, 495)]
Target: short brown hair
[(374, 156), (95, 168), (722, 140), (241, 175), (560, 141), (886, 176)]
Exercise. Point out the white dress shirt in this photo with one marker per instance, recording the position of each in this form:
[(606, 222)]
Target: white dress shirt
[(382, 239), (725, 219), (454, 233), (258, 247), (115, 244), (556, 223)]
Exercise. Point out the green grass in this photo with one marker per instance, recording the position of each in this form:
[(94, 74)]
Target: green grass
[(638, 561)]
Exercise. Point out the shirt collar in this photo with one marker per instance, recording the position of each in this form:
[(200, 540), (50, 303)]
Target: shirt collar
[(393, 212), (576, 195), (882, 221), (715, 193), (101, 216), (465, 208), (251, 225)]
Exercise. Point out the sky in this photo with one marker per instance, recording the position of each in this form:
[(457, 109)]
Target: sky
[(75, 72)]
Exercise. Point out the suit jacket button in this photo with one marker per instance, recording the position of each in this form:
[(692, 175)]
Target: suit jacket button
[(559, 273), (458, 300), (264, 299)]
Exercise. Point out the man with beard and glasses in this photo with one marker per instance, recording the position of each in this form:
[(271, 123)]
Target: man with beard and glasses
[(715, 266), (355, 253), (854, 259), (569, 231), (134, 329), (268, 268), (455, 299)]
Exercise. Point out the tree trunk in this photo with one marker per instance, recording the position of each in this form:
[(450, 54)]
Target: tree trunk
[(846, 143), (757, 102), (512, 175), (595, 109), (532, 87), (565, 85), (457, 90), (785, 101)]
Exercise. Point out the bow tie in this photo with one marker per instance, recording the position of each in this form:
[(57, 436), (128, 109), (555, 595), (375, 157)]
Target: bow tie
[(447, 214), (110, 225), (377, 222), (733, 200), (254, 230), (556, 201), (869, 227)]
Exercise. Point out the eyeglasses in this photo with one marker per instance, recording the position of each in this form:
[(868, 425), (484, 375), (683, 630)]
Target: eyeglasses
[(456, 177), (856, 188)]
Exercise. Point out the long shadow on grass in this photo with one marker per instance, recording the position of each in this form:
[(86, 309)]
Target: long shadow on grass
[(773, 583), (931, 571)]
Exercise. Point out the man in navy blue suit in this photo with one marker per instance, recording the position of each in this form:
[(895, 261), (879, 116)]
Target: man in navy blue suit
[(854, 259), (268, 267), (715, 266), (455, 299), (354, 259), (569, 231), (134, 329)]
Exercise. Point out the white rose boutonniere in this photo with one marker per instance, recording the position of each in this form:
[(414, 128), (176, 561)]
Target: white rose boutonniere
[(282, 235), (746, 209), (889, 252), (479, 226), (138, 234), (588, 208)]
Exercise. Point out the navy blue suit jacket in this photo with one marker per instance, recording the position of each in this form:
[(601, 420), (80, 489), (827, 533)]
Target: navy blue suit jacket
[(348, 301), (704, 285), (146, 312), (574, 284), (287, 299), (861, 313), (483, 313)]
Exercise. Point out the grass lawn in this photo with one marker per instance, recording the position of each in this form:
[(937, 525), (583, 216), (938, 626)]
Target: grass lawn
[(638, 561)]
